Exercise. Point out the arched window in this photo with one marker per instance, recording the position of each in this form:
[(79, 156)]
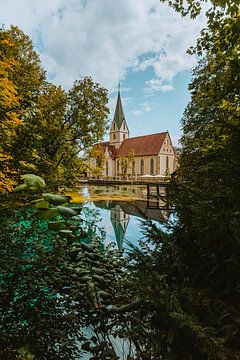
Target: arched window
[(114, 136), (117, 165), (113, 126), (167, 163), (107, 168), (123, 136), (151, 166), (142, 166)]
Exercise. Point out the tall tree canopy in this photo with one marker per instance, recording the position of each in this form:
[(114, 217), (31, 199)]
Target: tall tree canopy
[(55, 125)]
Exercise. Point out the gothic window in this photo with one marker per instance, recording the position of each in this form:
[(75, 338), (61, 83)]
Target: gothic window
[(107, 168), (167, 163), (117, 165), (151, 166), (113, 126), (123, 136), (133, 167), (142, 166), (114, 136)]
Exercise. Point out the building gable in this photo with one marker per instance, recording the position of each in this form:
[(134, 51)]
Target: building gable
[(167, 146)]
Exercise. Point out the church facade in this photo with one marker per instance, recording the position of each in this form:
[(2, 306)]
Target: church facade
[(134, 157)]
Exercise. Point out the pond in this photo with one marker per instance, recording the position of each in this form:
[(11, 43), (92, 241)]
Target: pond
[(123, 208)]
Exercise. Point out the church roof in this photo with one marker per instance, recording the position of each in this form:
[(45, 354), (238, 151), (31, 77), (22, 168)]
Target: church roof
[(119, 114), (142, 145), (111, 148)]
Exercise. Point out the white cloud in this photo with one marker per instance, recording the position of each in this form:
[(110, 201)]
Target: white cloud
[(137, 112), (154, 85), (146, 106), (106, 38)]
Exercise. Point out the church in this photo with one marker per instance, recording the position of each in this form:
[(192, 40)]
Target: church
[(134, 157)]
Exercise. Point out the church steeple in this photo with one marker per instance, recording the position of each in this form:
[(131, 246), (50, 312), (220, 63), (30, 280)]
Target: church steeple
[(119, 222), (119, 130), (119, 114)]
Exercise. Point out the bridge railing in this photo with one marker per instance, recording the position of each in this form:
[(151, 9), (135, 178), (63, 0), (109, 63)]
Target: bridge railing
[(137, 179)]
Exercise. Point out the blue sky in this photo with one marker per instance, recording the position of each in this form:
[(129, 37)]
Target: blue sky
[(140, 43), (158, 112)]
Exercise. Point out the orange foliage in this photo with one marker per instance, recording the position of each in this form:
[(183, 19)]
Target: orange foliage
[(9, 112), (7, 181)]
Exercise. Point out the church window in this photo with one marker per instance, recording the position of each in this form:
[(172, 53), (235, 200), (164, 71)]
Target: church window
[(167, 163), (123, 136), (151, 166), (114, 136), (107, 168), (133, 167), (118, 165), (142, 166), (113, 126)]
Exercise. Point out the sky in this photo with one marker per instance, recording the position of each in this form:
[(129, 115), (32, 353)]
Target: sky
[(141, 44)]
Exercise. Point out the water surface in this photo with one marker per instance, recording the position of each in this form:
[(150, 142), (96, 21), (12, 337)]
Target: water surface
[(123, 208)]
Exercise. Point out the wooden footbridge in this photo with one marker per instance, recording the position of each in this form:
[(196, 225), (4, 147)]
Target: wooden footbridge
[(153, 185)]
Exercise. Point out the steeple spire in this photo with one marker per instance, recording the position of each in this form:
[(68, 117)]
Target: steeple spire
[(119, 129), (119, 114)]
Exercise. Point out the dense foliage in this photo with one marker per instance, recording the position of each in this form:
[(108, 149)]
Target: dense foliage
[(190, 279), (43, 128)]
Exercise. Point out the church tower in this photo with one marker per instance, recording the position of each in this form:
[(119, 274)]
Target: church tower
[(119, 222), (119, 129)]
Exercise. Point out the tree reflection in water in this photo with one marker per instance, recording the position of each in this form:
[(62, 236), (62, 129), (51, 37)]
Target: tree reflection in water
[(46, 304), (64, 295)]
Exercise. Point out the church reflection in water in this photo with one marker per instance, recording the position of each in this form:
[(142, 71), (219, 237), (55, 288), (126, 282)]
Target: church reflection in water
[(120, 213)]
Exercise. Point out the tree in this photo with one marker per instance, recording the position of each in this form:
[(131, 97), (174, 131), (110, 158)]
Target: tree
[(55, 126), (98, 156), (86, 116), (125, 162), (206, 189), (9, 110)]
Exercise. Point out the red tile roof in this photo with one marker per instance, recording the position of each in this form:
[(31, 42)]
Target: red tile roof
[(142, 145), (111, 148)]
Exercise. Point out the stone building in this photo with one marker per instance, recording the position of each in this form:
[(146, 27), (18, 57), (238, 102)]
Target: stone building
[(126, 156)]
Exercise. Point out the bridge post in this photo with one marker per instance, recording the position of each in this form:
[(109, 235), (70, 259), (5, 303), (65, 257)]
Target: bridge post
[(148, 190)]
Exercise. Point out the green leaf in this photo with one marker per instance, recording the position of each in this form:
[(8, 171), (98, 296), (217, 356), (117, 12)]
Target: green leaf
[(56, 225), (67, 212), (47, 214), (66, 233), (20, 188), (33, 182), (56, 199), (103, 294), (40, 204)]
